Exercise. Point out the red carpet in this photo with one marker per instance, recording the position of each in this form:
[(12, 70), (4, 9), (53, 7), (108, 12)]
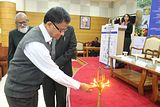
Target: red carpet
[(119, 94), (76, 64)]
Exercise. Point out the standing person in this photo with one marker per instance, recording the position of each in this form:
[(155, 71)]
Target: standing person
[(127, 37), (21, 21), (32, 60), (65, 48), (128, 32)]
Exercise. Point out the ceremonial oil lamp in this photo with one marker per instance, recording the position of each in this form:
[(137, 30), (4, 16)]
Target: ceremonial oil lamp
[(100, 83)]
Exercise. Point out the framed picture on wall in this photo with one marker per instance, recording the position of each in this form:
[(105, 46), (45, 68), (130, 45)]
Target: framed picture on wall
[(85, 22)]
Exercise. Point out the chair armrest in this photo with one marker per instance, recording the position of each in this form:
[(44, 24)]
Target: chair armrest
[(136, 48), (139, 49), (154, 53), (149, 50)]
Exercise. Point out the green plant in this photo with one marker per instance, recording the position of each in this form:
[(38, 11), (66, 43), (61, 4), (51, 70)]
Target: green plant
[(143, 3)]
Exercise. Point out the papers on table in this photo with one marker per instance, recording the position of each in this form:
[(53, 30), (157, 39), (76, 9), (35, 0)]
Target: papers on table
[(127, 59), (119, 56), (158, 68), (124, 58), (155, 60), (141, 63)]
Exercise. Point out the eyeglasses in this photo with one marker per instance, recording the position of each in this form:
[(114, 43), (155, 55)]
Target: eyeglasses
[(56, 26), (59, 29), (24, 23)]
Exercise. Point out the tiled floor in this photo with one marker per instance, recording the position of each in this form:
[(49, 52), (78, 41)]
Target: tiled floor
[(3, 101)]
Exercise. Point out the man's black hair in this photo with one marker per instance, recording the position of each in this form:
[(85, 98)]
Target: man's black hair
[(57, 15)]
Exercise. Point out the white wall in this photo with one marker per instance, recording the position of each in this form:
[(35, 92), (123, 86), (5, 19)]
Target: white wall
[(80, 7), (124, 6), (75, 7), (14, 1), (20, 5)]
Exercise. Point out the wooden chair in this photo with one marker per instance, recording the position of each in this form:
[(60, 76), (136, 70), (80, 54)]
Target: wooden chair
[(80, 49), (0, 73), (3, 60), (4, 66), (150, 49)]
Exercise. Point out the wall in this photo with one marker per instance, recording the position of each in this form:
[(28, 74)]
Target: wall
[(97, 9), (81, 7), (122, 7), (36, 18), (76, 7), (88, 35), (7, 14)]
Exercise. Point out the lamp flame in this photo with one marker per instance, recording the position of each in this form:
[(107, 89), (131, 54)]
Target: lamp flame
[(100, 83)]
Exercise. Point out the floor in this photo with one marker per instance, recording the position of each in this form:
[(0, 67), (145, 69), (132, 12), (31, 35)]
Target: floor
[(3, 101), (118, 94)]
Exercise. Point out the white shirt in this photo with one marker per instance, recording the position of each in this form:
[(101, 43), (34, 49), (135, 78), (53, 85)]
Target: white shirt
[(39, 55)]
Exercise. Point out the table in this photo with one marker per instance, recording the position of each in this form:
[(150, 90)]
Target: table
[(140, 80), (91, 48)]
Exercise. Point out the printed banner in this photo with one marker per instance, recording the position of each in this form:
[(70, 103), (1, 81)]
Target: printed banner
[(109, 35), (154, 26)]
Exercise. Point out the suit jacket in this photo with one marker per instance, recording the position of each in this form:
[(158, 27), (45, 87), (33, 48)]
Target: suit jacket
[(65, 49), (14, 38), (128, 31)]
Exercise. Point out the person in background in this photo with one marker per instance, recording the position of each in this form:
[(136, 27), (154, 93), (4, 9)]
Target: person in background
[(65, 50), (32, 61), (21, 21), (117, 21), (128, 32), (94, 43), (127, 37)]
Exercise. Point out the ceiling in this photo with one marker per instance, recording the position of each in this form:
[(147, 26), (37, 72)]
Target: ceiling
[(90, 0), (106, 0)]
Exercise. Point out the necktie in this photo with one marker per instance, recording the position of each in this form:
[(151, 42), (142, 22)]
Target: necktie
[(53, 49)]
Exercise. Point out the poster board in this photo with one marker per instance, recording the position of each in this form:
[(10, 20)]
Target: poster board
[(110, 42), (154, 25)]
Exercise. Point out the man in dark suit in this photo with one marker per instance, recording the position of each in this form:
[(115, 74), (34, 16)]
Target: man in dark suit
[(64, 52), (21, 21)]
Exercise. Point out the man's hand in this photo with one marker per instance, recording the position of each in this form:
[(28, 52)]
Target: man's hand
[(86, 87)]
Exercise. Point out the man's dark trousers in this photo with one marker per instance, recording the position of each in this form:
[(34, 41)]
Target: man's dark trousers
[(23, 102), (64, 51)]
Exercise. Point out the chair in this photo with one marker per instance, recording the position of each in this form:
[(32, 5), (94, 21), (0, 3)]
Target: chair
[(150, 49), (3, 60), (4, 65), (80, 50), (0, 73)]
